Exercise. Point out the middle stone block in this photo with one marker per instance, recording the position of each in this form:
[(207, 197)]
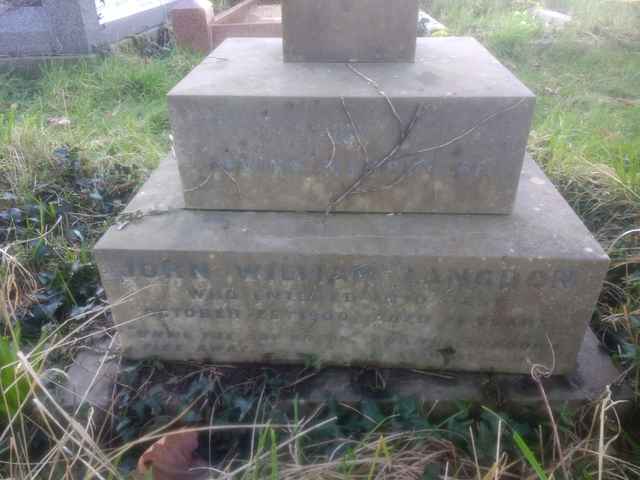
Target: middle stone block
[(445, 134)]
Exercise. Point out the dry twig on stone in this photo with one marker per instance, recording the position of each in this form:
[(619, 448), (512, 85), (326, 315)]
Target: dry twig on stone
[(356, 187)]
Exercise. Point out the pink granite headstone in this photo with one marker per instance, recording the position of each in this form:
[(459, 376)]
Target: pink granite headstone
[(191, 20)]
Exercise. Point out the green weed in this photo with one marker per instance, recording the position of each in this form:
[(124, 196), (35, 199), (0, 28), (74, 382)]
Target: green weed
[(14, 385), (7, 123)]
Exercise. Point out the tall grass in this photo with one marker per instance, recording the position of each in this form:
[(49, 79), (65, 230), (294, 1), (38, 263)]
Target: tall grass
[(115, 106)]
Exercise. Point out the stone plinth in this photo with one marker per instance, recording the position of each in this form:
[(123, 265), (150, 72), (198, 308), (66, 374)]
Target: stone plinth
[(454, 292), (254, 133), (438, 392), (349, 31)]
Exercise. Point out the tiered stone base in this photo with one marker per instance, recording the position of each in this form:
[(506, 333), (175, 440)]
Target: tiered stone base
[(452, 292)]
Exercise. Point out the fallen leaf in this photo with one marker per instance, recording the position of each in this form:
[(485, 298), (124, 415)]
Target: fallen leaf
[(58, 121), (172, 457)]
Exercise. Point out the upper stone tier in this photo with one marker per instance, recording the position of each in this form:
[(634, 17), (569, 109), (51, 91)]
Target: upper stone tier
[(349, 30), (444, 134)]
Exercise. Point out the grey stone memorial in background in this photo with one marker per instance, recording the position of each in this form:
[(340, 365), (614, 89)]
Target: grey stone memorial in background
[(71, 27), (256, 242)]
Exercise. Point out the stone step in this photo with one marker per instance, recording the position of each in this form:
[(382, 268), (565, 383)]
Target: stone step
[(454, 292), (303, 389), (254, 133)]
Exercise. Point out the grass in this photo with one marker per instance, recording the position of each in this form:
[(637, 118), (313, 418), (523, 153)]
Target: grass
[(586, 131), (588, 85), (76, 142)]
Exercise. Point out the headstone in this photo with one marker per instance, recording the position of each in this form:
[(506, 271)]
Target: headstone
[(268, 135), (198, 270), (112, 10), (190, 20), (49, 27), (119, 19), (25, 31), (349, 30), (72, 27)]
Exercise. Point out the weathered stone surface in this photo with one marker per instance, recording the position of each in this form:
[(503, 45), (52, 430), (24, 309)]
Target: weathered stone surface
[(456, 292), (593, 373), (349, 31), (440, 392), (71, 24), (254, 133), (70, 27), (53, 27), (25, 31), (91, 380)]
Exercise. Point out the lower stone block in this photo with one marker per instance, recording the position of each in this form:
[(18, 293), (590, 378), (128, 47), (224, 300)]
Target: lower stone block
[(454, 292)]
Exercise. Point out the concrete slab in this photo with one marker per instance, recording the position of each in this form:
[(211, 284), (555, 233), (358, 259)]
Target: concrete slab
[(454, 292), (254, 133), (588, 382), (439, 392), (91, 381), (349, 31)]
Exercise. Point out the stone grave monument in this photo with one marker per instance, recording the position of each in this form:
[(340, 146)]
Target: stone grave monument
[(35, 28), (357, 196)]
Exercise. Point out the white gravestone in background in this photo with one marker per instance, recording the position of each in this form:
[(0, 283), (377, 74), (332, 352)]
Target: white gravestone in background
[(111, 10)]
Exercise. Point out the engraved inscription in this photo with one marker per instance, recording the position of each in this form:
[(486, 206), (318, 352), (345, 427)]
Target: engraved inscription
[(289, 306)]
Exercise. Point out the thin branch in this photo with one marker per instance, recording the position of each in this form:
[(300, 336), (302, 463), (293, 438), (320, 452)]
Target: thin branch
[(199, 186), (469, 131), (231, 177), (381, 92), (333, 150), (409, 171), (208, 179), (356, 131), (369, 170)]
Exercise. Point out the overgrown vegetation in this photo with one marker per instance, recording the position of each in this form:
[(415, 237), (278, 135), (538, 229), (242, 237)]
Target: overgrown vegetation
[(587, 126), (76, 142)]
